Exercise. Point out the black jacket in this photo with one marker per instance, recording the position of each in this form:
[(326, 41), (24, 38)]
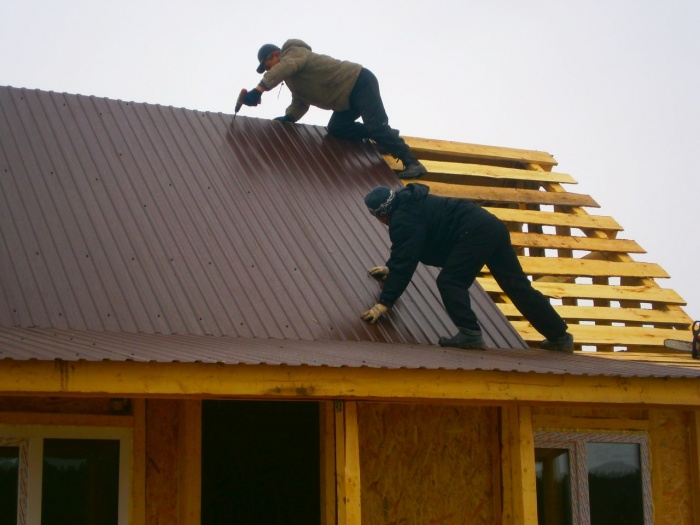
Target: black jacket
[(423, 228)]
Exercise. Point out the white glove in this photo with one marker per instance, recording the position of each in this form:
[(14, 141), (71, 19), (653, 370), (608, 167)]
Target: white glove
[(374, 313), (379, 272)]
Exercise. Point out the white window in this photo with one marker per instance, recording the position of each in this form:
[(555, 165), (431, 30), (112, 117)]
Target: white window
[(593, 478), (59, 475)]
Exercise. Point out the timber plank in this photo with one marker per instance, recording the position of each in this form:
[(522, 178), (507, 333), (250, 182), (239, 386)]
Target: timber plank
[(583, 222), (495, 173), (509, 195), (650, 294), (594, 244), (561, 421), (605, 313), (657, 356), (608, 335), (589, 267), (446, 148)]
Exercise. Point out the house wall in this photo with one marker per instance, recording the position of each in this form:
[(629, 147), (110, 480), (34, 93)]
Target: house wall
[(429, 464), (419, 463), (671, 448), (672, 467)]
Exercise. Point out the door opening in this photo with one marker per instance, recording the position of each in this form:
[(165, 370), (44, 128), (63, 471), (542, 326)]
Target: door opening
[(260, 463)]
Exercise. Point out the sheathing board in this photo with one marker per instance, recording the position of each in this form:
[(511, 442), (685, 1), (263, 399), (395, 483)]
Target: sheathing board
[(574, 254), (429, 464)]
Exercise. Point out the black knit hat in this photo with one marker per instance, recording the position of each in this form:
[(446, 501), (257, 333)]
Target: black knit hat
[(263, 53), (380, 201)]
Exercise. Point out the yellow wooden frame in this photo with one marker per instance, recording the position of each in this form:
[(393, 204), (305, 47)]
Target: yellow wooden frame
[(347, 465), (135, 379)]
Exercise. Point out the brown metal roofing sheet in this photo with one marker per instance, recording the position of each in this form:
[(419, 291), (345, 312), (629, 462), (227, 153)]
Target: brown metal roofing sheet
[(141, 218), (73, 345)]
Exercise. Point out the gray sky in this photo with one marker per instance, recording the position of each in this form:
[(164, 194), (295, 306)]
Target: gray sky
[(610, 88)]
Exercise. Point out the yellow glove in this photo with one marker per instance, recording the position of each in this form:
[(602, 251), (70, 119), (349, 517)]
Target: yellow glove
[(374, 313), (379, 272)]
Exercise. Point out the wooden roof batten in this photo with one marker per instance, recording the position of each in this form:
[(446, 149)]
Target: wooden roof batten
[(573, 255)]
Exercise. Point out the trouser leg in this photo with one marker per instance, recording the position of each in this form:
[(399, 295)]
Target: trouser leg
[(508, 273), (366, 102), (343, 124), (462, 266)]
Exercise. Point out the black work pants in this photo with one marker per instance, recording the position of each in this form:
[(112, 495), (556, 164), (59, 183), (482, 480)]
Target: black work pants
[(366, 102), (488, 243)]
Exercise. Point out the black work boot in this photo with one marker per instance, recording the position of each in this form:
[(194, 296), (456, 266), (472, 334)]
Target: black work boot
[(465, 339), (564, 343), (412, 170)]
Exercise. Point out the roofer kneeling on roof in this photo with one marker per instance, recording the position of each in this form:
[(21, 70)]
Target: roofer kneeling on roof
[(461, 237), (348, 89)]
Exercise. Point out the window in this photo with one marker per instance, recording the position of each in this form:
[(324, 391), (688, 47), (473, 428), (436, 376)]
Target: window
[(592, 479), (76, 475), (12, 488)]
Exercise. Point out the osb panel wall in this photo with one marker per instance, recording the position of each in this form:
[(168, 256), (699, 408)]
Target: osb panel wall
[(428, 464), (670, 441), (162, 462)]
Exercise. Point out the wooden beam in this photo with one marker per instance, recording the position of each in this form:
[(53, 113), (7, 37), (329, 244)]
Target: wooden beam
[(138, 472), (583, 222), (507, 195), (347, 463), (644, 293), (588, 267), (328, 482), (451, 149), (568, 242), (605, 313), (491, 173), (200, 380), (657, 465), (609, 335), (520, 492)]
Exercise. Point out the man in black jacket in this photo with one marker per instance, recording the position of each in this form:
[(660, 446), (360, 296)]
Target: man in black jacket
[(461, 237)]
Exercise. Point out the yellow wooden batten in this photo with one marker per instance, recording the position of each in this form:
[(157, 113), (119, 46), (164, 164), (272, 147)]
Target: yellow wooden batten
[(571, 255), (132, 379)]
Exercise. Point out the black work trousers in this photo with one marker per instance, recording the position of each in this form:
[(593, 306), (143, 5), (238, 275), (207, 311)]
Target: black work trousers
[(366, 102), (488, 243)]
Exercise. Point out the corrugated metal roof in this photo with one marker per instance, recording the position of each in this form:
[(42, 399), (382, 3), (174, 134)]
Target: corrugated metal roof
[(138, 218), (72, 345)]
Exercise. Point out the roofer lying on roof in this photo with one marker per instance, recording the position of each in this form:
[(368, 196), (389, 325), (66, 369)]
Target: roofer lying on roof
[(348, 89), (461, 237)]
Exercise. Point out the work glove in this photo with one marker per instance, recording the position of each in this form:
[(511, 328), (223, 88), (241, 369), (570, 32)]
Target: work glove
[(285, 118), (374, 313), (380, 273), (252, 98)]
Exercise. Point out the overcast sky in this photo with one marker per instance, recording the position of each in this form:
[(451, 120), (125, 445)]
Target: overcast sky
[(609, 87)]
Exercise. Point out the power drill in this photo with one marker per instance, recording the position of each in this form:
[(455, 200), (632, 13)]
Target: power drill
[(239, 102)]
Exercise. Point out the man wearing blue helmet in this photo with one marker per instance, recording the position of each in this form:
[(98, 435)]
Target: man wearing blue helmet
[(348, 89)]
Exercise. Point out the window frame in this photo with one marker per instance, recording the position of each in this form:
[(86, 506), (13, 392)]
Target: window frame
[(30, 439), (575, 443)]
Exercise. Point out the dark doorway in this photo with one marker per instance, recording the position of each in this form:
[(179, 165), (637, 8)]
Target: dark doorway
[(260, 463)]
